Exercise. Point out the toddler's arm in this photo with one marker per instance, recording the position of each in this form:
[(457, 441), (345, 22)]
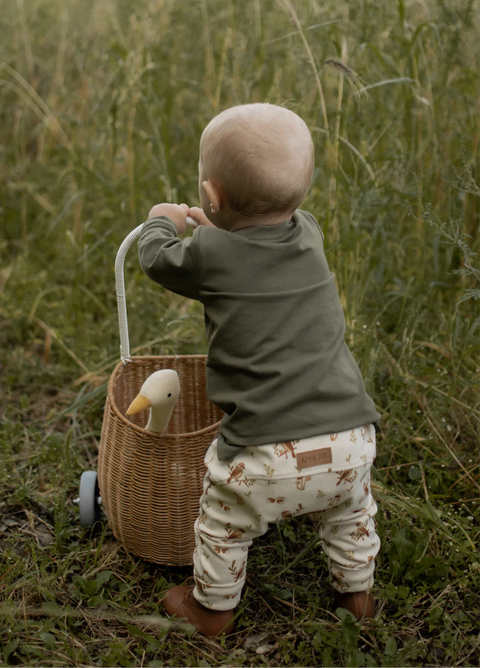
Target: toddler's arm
[(166, 259)]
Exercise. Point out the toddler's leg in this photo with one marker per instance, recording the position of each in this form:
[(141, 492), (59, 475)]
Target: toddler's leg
[(349, 538), (223, 533)]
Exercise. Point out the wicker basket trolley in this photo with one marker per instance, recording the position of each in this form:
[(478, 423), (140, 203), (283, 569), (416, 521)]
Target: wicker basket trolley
[(150, 485)]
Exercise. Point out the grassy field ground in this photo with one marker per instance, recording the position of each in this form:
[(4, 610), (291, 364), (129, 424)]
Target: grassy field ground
[(102, 106)]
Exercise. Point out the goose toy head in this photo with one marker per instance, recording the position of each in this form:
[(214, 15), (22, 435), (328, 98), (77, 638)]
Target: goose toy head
[(159, 393)]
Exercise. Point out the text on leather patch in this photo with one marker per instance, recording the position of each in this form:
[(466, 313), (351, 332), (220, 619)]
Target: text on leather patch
[(314, 458)]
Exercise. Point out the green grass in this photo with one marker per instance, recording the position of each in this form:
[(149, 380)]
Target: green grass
[(102, 106)]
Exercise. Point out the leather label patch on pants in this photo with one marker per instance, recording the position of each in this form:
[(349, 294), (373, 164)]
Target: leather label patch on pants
[(314, 458)]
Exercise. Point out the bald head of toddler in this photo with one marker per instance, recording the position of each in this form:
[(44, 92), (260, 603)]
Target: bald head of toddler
[(256, 163)]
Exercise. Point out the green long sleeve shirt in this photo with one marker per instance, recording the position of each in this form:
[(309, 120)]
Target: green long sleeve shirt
[(278, 364)]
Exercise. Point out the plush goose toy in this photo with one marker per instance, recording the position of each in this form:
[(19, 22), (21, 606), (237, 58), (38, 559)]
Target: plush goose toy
[(159, 393)]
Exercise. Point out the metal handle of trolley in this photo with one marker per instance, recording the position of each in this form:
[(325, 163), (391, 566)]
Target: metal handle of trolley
[(120, 286)]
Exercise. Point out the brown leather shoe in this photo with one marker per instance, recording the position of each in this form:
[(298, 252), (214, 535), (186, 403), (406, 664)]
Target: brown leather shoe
[(359, 603), (180, 602)]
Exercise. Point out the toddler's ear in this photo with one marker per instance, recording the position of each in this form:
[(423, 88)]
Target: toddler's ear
[(214, 195)]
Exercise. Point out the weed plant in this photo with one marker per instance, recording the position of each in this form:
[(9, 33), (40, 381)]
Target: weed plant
[(102, 106)]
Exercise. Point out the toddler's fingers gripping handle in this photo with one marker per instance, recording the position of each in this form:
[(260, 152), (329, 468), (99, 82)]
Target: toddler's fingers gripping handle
[(191, 222)]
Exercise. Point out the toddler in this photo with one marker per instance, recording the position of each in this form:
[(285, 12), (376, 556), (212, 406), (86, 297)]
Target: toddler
[(298, 434)]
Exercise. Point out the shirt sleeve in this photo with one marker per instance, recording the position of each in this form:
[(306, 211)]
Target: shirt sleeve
[(168, 260)]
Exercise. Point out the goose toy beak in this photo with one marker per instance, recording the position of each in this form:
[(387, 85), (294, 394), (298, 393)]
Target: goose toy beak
[(140, 403)]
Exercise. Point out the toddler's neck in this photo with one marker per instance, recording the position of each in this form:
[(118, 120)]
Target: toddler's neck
[(243, 222)]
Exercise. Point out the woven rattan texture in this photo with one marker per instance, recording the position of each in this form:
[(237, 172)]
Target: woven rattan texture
[(150, 484)]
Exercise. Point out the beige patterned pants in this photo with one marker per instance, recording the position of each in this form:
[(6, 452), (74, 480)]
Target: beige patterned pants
[(329, 474)]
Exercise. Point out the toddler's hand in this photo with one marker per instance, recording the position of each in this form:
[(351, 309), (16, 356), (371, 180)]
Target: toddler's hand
[(199, 217), (176, 212)]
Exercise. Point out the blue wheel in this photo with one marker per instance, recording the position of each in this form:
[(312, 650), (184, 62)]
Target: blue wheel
[(89, 499)]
